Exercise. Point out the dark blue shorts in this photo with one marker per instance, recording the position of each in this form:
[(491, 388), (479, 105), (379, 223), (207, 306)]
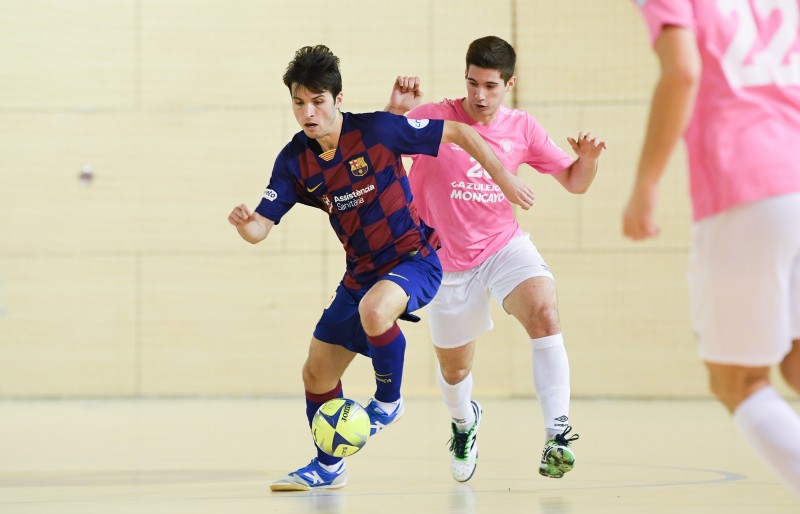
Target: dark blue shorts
[(340, 323)]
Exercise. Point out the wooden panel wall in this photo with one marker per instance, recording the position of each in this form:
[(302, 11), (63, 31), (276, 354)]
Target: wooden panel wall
[(136, 285)]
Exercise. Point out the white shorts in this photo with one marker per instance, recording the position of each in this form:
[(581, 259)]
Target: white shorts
[(459, 312), (744, 282)]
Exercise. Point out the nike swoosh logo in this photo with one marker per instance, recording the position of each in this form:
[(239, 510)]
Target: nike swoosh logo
[(312, 189), (398, 276)]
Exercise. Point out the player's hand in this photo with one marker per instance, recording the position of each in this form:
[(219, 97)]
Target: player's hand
[(638, 219), (240, 215), (515, 190), (587, 145), (406, 94)]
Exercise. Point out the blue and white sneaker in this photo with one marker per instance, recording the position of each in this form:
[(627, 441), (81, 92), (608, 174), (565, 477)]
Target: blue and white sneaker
[(557, 456), (378, 418), (464, 448), (310, 477)]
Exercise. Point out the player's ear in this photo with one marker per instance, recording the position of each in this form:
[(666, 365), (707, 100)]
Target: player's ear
[(338, 100), (511, 83)]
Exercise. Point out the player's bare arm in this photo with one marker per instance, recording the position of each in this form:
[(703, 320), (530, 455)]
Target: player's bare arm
[(514, 188), (252, 226), (406, 94), (670, 111), (580, 175)]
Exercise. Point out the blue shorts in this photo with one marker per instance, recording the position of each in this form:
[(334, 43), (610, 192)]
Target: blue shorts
[(340, 323)]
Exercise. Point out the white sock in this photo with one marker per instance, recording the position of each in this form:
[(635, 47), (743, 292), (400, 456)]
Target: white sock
[(772, 428), (389, 407), (551, 380), (333, 468), (458, 399)]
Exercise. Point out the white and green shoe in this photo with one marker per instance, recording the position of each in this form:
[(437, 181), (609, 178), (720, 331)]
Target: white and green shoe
[(557, 456), (464, 448)]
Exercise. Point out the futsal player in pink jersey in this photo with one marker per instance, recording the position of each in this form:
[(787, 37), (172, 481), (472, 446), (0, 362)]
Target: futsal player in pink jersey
[(730, 83), (485, 253)]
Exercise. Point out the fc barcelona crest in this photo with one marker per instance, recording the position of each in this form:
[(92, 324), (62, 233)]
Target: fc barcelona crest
[(358, 167)]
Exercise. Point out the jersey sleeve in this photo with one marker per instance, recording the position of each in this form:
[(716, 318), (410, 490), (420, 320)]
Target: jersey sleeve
[(280, 194), (410, 136), (658, 14), (544, 154), (425, 111)]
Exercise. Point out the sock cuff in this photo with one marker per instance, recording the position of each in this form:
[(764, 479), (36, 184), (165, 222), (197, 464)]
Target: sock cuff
[(385, 338), (324, 397), (755, 401), (548, 341)]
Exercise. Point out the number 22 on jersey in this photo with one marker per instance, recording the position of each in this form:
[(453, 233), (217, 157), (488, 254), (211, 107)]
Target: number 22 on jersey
[(777, 63)]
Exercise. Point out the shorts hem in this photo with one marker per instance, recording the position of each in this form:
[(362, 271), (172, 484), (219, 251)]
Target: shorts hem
[(760, 362), (461, 342)]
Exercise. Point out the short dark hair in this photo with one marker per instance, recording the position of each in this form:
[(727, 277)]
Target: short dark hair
[(316, 69), (493, 53)]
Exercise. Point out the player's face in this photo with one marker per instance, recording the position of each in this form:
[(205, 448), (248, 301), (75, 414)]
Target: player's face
[(486, 91), (317, 113)]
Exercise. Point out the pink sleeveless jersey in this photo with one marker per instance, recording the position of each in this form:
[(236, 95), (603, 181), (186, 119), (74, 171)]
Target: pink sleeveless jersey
[(743, 138), (456, 196)]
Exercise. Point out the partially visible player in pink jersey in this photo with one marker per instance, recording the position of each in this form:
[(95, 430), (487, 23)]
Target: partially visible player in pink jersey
[(485, 253), (730, 83)]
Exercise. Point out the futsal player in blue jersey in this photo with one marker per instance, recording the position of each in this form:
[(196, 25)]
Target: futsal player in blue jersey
[(349, 165)]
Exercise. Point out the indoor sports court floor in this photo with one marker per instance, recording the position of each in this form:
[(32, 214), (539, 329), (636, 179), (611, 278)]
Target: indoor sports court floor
[(218, 456)]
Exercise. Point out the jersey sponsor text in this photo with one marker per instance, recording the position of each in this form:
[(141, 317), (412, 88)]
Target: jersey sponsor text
[(476, 192), (352, 199)]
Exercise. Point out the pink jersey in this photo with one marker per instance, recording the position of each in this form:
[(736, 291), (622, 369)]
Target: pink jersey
[(744, 135), (456, 196)]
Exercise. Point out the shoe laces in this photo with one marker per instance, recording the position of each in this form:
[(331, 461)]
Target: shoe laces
[(562, 440), (458, 443)]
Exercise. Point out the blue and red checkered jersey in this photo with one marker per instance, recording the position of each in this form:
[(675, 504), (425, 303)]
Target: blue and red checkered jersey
[(363, 188)]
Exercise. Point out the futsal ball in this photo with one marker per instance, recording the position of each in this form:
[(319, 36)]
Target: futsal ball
[(340, 427)]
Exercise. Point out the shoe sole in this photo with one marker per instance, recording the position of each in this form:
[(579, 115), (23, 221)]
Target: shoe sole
[(556, 467), (471, 474), (300, 487)]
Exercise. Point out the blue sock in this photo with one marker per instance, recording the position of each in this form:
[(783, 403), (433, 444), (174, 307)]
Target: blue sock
[(313, 403), (388, 352)]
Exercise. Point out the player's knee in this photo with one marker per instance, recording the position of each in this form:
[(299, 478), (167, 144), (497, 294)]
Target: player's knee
[(543, 320), (314, 378), (790, 370), (455, 374), (309, 377), (374, 318)]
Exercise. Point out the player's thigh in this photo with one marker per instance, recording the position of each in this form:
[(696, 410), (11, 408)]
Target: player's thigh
[(523, 284), (742, 267), (535, 305), (460, 311), (419, 277), (381, 306), (340, 324), (517, 262), (794, 298)]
